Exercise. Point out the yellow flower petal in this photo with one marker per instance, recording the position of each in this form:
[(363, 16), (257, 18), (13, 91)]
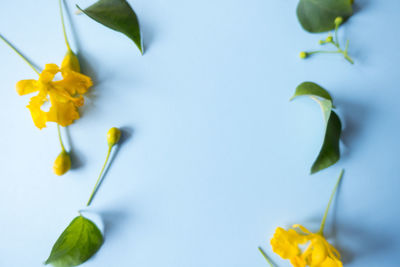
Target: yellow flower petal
[(48, 73), (62, 112), (74, 82), (318, 252), (330, 262), (38, 115), (298, 262), (302, 228), (285, 243), (25, 87)]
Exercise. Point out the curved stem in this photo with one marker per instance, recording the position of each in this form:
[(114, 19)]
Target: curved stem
[(265, 256), (100, 175), (321, 229), (63, 25), (16, 51), (59, 137)]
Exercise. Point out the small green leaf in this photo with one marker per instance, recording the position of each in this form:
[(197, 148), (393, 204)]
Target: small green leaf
[(117, 15), (311, 89), (330, 150), (319, 15), (79, 241)]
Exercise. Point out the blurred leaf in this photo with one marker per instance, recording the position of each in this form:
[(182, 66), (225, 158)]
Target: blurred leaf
[(330, 150), (117, 15), (319, 15), (79, 241)]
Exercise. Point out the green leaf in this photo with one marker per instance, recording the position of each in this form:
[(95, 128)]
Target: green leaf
[(311, 89), (79, 241), (319, 15), (330, 150), (117, 15)]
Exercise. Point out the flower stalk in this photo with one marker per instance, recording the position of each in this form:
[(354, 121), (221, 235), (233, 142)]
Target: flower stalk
[(113, 137), (265, 257), (321, 229), (63, 25), (18, 53)]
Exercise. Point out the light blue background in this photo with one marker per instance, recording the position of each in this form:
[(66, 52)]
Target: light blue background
[(217, 156)]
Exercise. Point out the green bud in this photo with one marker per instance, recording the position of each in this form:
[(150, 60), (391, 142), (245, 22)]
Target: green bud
[(113, 136), (62, 164), (338, 21), (329, 39), (303, 54)]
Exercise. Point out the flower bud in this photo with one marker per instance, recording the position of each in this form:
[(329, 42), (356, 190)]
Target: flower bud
[(71, 62), (303, 54), (62, 164), (338, 21), (329, 39), (113, 136)]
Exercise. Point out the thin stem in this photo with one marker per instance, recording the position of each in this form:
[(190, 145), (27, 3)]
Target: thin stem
[(321, 229), (348, 58), (347, 46), (100, 175), (59, 137), (63, 25), (16, 51), (323, 51), (265, 256), (336, 35)]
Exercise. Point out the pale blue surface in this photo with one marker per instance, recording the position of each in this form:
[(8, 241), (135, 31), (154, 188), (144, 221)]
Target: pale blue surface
[(218, 157)]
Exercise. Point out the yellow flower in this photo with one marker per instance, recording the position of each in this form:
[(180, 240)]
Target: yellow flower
[(64, 95), (319, 253)]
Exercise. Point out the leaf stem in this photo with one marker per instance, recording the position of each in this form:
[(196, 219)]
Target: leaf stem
[(321, 229), (100, 175), (265, 256), (18, 53), (59, 138), (63, 25)]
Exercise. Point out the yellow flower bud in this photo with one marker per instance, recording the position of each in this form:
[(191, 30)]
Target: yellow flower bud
[(62, 164), (329, 39), (338, 21), (113, 136), (303, 54), (71, 62)]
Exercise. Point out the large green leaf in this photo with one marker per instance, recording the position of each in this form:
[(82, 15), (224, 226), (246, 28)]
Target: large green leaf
[(79, 241), (117, 15), (319, 15), (330, 150)]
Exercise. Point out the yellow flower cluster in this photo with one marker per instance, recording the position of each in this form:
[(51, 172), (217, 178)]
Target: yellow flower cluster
[(65, 95), (319, 253)]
